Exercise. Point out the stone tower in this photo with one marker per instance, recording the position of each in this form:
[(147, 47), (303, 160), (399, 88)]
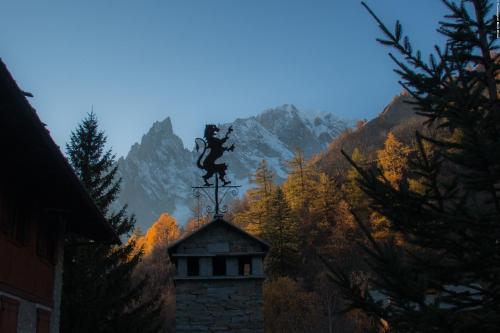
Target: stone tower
[(218, 282)]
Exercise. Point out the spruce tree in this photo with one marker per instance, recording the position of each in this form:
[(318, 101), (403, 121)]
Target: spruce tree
[(350, 189), (263, 180), (324, 202), (317, 228), (446, 275), (259, 198), (98, 292), (281, 231), (299, 187), (310, 195)]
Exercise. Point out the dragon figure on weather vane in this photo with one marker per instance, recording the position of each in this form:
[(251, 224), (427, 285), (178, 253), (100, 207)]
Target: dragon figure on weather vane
[(213, 149)]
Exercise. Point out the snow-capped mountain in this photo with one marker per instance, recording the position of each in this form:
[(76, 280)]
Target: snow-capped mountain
[(311, 131), (158, 173)]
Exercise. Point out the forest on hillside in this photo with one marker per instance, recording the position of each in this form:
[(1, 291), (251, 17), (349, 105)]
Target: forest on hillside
[(393, 229), (306, 220)]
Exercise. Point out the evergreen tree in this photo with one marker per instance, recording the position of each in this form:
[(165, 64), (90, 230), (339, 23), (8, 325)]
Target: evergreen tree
[(259, 197), (281, 231), (264, 181), (199, 214), (324, 202), (317, 226), (299, 187), (350, 189), (447, 279), (301, 190), (98, 292)]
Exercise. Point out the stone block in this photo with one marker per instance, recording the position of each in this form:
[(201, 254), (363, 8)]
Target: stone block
[(220, 292), (239, 319)]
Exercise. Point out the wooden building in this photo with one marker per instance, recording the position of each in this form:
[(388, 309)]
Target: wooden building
[(41, 199), (218, 282)]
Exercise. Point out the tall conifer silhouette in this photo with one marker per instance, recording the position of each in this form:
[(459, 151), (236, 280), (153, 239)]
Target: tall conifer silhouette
[(98, 292)]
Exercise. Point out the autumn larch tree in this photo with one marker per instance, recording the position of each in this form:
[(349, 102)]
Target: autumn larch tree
[(157, 266), (280, 229), (353, 195), (259, 200), (299, 185)]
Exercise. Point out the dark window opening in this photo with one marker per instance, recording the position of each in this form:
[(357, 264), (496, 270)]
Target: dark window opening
[(219, 266), (193, 266), (245, 266), (13, 218), (46, 240)]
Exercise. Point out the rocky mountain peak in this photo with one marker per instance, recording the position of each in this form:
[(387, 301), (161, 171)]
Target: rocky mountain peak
[(158, 172), (311, 132), (397, 110), (160, 140), (164, 127)]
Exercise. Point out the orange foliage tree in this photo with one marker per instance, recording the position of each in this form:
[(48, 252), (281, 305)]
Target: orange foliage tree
[(162, 232), (289, 309), (157, 267), (393, 159)]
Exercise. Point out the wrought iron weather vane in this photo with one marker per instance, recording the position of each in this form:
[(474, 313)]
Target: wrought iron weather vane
[(213, 149)]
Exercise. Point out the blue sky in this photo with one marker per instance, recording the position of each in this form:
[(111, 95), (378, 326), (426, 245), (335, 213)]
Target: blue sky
[(202, 61)]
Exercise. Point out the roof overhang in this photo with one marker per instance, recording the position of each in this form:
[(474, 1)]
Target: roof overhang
[(33, 165)]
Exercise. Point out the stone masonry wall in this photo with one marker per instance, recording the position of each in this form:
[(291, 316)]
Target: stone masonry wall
[(230, 303), (221, 305)]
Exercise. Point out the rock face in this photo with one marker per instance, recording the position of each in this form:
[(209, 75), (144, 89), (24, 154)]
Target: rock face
[(156, 175), (159, 171), (218, 281)]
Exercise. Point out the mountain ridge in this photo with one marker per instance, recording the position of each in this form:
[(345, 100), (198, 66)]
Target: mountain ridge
[(158, 172), (398, 117)]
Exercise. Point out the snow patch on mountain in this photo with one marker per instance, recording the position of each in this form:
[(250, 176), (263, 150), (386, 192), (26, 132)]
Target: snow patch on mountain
[(159, 171)]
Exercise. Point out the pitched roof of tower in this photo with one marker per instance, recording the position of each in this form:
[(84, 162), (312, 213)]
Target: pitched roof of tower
[(215, 222)]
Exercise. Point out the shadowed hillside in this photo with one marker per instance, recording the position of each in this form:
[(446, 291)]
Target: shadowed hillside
[(398, 117)]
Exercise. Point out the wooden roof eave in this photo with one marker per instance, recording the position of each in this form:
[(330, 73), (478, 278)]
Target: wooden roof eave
[(90, 220)]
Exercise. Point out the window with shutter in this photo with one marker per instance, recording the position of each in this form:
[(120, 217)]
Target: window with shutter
[(43, 321), (13, 217), (9, 309)]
